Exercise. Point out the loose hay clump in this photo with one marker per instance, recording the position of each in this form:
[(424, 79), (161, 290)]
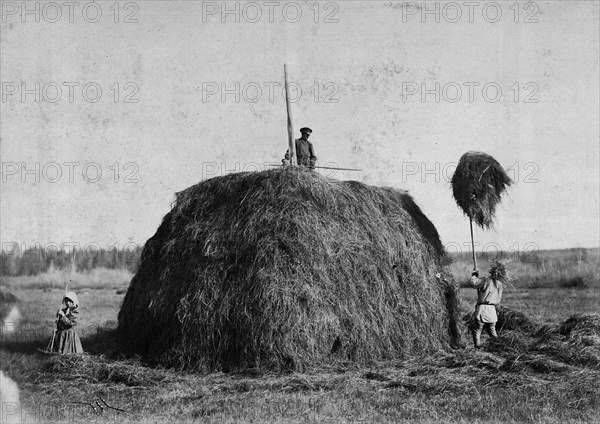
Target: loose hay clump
[(499, 272), (545, 348), (574, 341), (285, 269), (477, 184), (98, 369), (510, 319)]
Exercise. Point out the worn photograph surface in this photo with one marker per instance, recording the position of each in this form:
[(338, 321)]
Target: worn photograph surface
[(300, 211)]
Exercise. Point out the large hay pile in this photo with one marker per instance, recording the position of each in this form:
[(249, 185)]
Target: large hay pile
[(286, 269)]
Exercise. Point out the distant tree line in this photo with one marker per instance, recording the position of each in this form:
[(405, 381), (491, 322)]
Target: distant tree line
[(36, 260)]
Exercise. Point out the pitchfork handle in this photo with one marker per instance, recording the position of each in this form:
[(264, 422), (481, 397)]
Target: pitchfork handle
[(473, 245)]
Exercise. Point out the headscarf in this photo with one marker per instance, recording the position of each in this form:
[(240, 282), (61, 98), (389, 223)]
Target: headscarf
[(73, 297)]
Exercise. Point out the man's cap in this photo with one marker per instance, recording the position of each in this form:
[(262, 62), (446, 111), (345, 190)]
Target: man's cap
[(305, 130)]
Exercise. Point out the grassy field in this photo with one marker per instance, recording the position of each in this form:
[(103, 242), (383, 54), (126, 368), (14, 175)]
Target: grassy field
[(543, 374), (100, 278)]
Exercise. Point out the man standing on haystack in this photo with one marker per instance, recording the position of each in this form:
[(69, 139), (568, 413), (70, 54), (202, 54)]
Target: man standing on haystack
[(489, 294), (305, 152)]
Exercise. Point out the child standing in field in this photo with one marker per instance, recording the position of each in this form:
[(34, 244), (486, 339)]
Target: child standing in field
[(489, 294), (66, 339)]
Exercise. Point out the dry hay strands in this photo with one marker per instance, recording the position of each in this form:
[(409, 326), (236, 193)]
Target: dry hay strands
[(549, 348), (540, 364), (287, 269), (97, 369), (498, 272), (101, 407), (477, 185), (510, 319), (575, 341)]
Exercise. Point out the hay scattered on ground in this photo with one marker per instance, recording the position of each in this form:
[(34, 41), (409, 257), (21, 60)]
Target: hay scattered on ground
[(512, 367), (286, 269), (477, 184), (575, 341), (562, 357), (546, 348), (84, 369), (508, 319)]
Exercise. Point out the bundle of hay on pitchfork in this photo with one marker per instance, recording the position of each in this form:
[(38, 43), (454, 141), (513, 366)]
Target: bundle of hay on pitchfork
[(477, 185)]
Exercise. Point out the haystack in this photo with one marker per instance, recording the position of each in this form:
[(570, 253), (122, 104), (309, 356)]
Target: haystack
[(286, 269)]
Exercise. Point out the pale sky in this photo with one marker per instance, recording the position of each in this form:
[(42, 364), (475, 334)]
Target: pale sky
[(361, 79)]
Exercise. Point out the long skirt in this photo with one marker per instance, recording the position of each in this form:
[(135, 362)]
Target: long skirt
[(67, 341)]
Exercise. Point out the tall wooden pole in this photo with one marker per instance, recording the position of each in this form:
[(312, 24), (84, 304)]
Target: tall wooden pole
[(289, 117)]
